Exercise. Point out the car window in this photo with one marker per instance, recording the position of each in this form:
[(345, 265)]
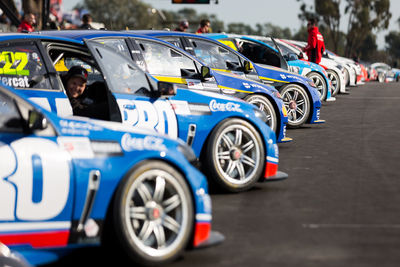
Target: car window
[(213, 55), (258, 53), (10, 119), (122, 75), (66, 62), (164, 60), (22, 66), (117, 44), (173, 40)]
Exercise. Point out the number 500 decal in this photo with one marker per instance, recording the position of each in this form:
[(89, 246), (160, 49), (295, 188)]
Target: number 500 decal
[(34, 179), (14, 63)]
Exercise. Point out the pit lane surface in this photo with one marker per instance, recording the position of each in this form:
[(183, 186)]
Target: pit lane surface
[(340, 205)]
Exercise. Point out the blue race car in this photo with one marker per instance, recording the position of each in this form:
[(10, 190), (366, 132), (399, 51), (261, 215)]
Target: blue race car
[(265, 53), (171, 64), (235, 146), (68, 183), (299, 94)]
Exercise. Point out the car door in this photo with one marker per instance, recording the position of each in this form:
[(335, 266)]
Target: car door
[(23, 66), (166, 63), (36, 185), (218, 57), (130, 86)]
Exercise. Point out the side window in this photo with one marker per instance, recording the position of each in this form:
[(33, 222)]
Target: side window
[(164, 60), (116, 44), (10, 119), (173, 40), (22, 66), (122, 75), (65, 63), (259, 53), (215, 56)]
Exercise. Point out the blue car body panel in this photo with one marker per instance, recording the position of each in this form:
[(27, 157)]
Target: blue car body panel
[(42, 226), (171, 115), (304, 66), (273, 75), (233, 85)]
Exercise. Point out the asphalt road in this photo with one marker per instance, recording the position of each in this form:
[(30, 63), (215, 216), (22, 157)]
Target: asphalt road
[(340, 205)]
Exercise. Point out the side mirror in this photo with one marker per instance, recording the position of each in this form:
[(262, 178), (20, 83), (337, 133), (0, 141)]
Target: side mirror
[(292, 56), (36, 121), (300, 56), (166, 88), (247, 66), (205, 73)]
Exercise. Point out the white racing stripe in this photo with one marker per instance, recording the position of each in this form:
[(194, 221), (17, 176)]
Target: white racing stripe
[(203, 217), (24, 226)]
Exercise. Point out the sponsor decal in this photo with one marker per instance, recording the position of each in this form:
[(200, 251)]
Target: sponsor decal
[(130, 143), (283, 76), (21, 82), (180, 107), (194, 84), (78, 147), (246, 85), (229, 106)]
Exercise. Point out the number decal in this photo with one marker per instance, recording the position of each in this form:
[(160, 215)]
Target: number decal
[(14, 63), (35, 162), (157, 116), (8, 165), (23, 57)]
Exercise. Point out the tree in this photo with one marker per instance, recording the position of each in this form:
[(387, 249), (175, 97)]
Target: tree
[(393, 46), (120, 14), (364, 17)]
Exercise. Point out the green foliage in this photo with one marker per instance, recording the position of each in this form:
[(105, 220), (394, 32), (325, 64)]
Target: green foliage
[(393, 46), (119, 14), (364, 18)]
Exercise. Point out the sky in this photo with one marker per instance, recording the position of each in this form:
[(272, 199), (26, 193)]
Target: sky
[(283, 13)]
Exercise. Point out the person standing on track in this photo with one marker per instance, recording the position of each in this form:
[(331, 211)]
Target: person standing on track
[(315, 43)]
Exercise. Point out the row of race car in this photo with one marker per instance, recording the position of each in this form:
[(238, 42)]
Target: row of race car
[(183, 112)]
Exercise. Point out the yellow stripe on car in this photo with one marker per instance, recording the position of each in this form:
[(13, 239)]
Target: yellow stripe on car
[(171, 79)]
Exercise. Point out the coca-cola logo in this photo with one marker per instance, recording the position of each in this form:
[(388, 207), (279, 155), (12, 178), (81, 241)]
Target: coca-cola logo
[(229, 106), (130, 143)]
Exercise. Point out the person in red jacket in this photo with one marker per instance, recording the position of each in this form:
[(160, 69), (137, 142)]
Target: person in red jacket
[(315, 43), (27, 24), (204, 26)]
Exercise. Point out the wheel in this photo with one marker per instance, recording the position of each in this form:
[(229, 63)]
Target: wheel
[(153, 213), (265, 106), (235, 156), (334, 77), (297, 103), (381, 77), (319, 82)]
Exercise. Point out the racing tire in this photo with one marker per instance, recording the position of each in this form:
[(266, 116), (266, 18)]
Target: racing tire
[(265, 105), (297, 103), (335, 80), (235, 156), (320, 83), (152, 215)]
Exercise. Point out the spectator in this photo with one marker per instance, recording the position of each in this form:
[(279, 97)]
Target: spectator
[(204, 26), (28, 23), (86, 22), (183, 26), (315, 43)]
